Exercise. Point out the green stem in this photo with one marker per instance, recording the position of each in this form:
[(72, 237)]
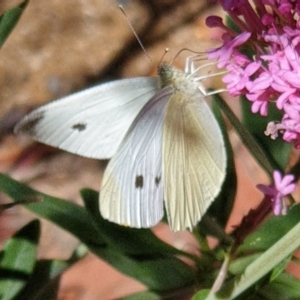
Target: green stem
[(246, 137)]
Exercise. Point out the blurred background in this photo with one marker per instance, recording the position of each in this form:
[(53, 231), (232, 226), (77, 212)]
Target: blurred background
[(59, 47)]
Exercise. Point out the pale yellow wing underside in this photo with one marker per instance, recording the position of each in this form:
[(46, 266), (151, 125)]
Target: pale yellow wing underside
[(194, 159)]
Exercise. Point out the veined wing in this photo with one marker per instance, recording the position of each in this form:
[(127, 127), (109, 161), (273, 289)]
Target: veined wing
[(132, 187), (194, 159), (92, 122)]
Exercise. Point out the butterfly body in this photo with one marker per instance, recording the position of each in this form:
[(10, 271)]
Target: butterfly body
[(164, 143)]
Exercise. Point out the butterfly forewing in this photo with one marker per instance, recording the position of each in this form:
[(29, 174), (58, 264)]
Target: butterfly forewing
[(92, 122), (194, 158), (132, 187)]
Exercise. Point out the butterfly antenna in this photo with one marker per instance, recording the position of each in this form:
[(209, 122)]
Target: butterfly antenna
[(166, 51), (186, 49), (134, 32)]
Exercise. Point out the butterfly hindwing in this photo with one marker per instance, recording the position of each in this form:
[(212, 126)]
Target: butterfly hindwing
[(132, 187), (92, 122), (194, 159)]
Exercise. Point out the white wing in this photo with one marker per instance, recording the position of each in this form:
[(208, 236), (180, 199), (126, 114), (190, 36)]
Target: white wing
[(92, 122), (132, 186), (194, 159)]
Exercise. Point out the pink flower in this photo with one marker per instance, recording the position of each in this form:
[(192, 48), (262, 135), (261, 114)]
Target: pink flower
[(260, 102), (224, 53), (271, 70), (282, 186), (238, 77), (289, 126)]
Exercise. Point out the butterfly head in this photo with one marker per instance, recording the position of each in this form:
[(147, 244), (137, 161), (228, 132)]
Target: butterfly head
[(177, 79), (169, 75)]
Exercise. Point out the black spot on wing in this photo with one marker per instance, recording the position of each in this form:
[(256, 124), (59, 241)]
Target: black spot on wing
[(139, 181), (157, 180), (29, 125), (79, 126)]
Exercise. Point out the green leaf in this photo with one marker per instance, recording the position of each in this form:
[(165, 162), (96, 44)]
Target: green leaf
[(232, 24), (142, 296), (201, 295), (278, 150), (66, 215), (285, 287), (17, 260), (45, 279), (239, 265), (158, 274), (277, 271), (50, 291), (9, 20), (149, 295), (271, 231), (42, 281)]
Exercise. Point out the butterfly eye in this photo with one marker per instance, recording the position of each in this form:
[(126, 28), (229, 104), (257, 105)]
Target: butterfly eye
[(166, 75)]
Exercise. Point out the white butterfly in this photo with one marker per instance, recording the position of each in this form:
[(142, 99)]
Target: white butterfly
[(164, 142)]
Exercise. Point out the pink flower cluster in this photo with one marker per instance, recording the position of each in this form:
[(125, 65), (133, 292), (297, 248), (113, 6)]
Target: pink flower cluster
[(270, 72)]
